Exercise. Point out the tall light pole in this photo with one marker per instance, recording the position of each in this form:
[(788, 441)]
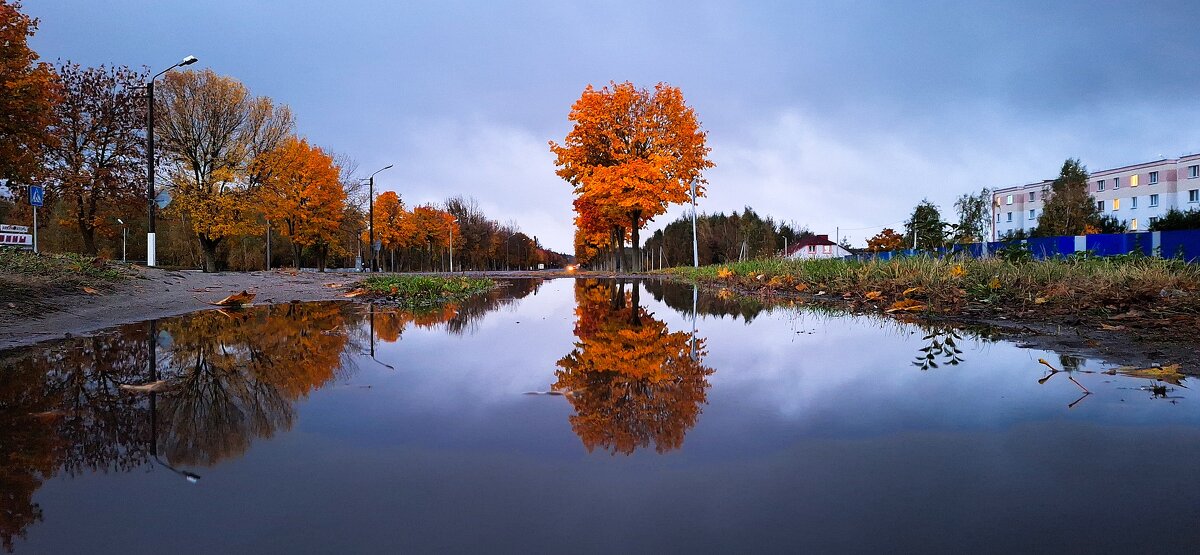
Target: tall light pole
[(695, 244), (151, 205), (123, 238), (452, 245), (371, 217)]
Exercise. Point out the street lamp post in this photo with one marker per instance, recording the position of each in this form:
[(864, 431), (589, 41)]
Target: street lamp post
[(151, 207), (123, 238), (695, 244), (371, 217), (452, 222)]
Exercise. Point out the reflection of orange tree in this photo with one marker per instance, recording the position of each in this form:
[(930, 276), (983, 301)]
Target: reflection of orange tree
[(235, 375), (27, 450), (631, 381)]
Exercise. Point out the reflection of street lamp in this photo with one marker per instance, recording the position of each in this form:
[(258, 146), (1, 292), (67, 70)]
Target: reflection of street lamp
[(152, 361), (150, 194), (123, 230), (371, 216)]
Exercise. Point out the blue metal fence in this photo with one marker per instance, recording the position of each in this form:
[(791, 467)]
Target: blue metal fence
[(1168, 244)]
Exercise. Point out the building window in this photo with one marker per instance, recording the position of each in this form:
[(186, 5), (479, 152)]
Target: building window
[(1194, 195), (1100, 185), (1153, 178), (1133, 224), (1193, 171), (1032, 196), (1100, 205), (1010, 216), (1153, 201), (1133, 203), (812, 249), (827, 249), (1152, 220), (1030, 215), (1008, 199), (1116, 183), (1133, 180), (1116, 204)]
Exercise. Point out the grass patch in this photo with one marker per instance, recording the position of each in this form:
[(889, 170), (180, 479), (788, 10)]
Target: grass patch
[(1101, 286), (30, 278), (425, 291)]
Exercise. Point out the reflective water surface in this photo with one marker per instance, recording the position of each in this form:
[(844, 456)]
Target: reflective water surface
[(584, 416)]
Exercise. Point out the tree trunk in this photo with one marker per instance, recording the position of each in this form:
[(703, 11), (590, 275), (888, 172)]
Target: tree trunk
[(297, 248), (209, 247), (322, 254), (637, 247)]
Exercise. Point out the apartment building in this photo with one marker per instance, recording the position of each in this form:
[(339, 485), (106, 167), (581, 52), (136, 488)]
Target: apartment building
[(1137, 194)]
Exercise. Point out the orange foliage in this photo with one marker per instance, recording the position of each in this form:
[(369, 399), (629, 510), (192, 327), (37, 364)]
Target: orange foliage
[(886, 240), (302, 193), (631, 153), (632, 381)]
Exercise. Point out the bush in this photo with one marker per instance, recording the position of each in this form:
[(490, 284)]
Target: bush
[(1177, 220)]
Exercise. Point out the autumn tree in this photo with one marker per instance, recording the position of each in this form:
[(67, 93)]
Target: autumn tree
[(30, 91), (96, 155), (886, 240), (211, 130), (303, 195), (631, 153), (1067, 208)]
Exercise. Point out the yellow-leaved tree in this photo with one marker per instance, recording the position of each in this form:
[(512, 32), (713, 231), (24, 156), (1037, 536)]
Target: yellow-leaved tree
[(210, 131)]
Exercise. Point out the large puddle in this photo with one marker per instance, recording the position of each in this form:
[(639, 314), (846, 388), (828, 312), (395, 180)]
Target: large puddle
[(584, 416)]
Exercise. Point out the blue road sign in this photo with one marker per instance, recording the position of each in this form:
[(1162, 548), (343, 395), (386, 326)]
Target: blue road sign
[(36, 195)]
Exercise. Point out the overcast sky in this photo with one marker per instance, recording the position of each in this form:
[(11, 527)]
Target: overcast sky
[(824, 113)]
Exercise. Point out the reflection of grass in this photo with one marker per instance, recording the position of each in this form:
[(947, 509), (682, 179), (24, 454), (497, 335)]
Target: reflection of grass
[(949, 286), (425, 291)]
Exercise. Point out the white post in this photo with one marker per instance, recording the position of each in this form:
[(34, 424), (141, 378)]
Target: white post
[(150, 250), (124, 240), (35, 242), (695, 244), (452, 248)]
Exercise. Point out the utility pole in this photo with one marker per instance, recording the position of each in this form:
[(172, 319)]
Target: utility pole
[(695, 243), (371, 217), (151, 206)]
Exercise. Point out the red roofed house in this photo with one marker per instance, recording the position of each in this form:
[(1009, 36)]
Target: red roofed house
[(815, 246)]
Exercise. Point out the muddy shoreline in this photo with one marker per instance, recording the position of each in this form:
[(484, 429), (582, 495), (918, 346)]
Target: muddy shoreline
[(156, 293)]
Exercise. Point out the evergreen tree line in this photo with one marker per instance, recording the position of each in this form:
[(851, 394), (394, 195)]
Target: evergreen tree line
[(721, 238)]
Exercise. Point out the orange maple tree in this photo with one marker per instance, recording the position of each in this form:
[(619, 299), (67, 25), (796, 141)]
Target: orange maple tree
[(886, 240), (303, 195), (631, 153), (30, 92)]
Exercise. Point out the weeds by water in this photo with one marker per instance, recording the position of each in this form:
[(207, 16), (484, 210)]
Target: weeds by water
[(411, 291), (951, 286)]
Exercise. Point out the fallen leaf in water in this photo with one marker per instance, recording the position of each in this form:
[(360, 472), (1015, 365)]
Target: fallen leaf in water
[(1169, 373), (906, 305), (236, 299), (151, 387), (90, 291), (873, 295), (354, 293)]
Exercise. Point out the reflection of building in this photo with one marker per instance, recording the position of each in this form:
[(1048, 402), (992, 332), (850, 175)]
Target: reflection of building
[(631, 381), (1137, 194), (815, 246)]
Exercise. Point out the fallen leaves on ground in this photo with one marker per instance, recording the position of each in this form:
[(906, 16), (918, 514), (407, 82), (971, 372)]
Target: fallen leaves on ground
[(801, 287), (910, 291), (724, 273), (90, 291), (236, 299), (906, 305), (873, 295), (354, 293)]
